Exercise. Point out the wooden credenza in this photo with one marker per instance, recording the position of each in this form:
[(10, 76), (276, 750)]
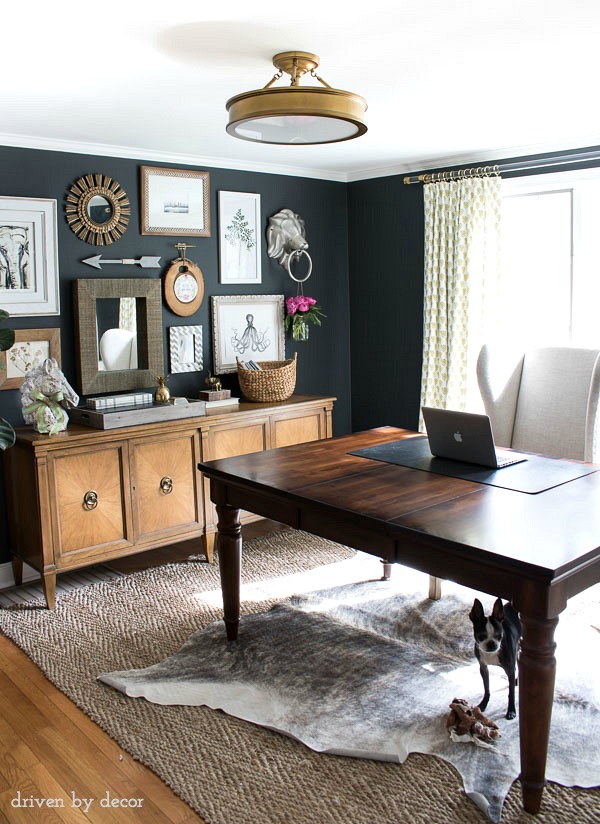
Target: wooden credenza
[(85, 495)]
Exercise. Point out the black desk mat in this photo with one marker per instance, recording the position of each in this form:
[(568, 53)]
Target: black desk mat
[(536, 474)]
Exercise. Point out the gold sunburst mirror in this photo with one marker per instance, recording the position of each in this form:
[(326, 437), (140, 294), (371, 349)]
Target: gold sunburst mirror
[(97, 209)]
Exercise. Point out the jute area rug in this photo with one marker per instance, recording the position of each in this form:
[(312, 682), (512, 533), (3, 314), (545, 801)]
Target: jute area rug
[(228, 770)]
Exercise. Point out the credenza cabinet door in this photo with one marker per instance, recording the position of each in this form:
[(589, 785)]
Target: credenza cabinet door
[(165, 485), (293, 429), (90, 503), (228, 441)]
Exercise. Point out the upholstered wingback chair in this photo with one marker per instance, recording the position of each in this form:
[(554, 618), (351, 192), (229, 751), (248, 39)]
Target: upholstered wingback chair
[(544, 401)]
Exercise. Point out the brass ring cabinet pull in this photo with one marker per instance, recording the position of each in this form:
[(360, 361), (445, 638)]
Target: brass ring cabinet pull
[(166, 485), (90, 499)]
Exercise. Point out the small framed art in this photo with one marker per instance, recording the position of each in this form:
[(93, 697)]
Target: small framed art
[(239, 237), (31, 347), (29, 261), (175, 202), (247, 327), (185, 345)]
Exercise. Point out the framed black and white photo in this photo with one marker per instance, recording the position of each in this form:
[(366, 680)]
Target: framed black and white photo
[(239, 237), (28, 256), (249, 327), (185, 347), (175, 202), (31, 347)]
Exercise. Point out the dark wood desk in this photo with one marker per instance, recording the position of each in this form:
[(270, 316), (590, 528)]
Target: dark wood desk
[(536, 550)]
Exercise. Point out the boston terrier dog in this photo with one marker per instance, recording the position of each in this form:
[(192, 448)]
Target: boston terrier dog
[(497, 642)]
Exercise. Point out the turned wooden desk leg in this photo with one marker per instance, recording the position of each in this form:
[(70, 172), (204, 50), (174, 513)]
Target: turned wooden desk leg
[(537, 669), (229, 547)]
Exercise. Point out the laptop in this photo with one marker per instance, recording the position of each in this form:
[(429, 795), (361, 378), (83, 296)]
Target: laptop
[(466, 437)]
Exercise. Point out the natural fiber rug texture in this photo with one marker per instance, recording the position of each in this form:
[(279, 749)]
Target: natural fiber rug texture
[(230, 770)]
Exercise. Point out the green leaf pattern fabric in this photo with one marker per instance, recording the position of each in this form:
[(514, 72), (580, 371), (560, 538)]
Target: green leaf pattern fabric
[(462, 261)]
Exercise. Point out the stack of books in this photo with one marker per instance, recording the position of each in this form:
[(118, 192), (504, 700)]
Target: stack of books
[(120, 401), (216, 398), (224, 402)]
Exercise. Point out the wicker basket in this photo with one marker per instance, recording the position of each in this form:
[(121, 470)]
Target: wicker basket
[(276, 380)]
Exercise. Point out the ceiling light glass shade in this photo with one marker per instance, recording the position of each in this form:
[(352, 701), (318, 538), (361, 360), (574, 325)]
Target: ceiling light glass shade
[(297, 114)]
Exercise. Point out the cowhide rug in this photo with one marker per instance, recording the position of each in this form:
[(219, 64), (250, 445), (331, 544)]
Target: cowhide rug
[(362, 671)]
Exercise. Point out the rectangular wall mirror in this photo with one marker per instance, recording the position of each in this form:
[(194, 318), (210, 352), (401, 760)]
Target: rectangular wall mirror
[(119, 333)]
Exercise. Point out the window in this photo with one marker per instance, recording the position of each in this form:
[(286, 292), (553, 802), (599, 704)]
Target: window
[(550, 282)]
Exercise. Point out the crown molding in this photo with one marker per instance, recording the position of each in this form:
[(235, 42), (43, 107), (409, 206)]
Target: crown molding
[(108, 150), (422, 164)]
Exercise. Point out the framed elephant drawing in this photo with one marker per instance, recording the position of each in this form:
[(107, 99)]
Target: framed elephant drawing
[(28, 256)]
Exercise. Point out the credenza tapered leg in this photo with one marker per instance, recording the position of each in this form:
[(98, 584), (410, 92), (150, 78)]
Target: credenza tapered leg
[(49, 587), (17, 567), (229, 547), (537, 669)]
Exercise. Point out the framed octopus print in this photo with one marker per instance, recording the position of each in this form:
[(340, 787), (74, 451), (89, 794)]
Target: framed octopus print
[(248, 327)]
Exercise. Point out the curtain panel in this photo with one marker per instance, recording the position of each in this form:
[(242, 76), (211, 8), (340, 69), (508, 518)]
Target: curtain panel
[(462, 263)]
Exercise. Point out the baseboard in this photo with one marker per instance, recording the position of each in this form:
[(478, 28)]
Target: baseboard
[(7, 578)]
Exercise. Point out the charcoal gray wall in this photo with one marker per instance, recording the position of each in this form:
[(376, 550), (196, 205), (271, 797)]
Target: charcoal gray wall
[(323, 361), (386, 301)]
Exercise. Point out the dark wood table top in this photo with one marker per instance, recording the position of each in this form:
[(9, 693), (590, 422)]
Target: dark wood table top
[(549, 538)]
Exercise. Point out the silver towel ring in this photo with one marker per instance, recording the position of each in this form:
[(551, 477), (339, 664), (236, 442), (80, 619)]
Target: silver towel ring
[(289, 265)]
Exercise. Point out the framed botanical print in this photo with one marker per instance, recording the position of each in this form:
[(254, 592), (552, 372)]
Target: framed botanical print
[(175, 202), (31, 347), (249, 327), (239, 237), (28, 256)]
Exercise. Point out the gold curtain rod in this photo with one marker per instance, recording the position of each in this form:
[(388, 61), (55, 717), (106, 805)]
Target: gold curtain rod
[(551, 161), (456, 174)]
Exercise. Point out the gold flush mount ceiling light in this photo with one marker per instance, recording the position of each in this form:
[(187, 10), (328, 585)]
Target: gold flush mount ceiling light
[(296, 115)]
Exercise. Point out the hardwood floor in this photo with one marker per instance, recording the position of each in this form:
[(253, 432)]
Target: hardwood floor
[(50, 750)]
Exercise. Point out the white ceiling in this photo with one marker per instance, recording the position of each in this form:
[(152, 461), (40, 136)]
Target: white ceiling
[(446, 81)]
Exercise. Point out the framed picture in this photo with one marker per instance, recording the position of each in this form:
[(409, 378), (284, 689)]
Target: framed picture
[(239, 239), (247, 326), (175, 202), (185, 347), (30, 348), (29, 259)]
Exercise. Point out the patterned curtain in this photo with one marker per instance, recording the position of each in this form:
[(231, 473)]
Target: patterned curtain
[(462, 263), (127, 318)]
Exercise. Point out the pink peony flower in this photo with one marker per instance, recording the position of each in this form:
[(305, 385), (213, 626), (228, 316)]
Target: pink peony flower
[(300, 310), (291, 306)]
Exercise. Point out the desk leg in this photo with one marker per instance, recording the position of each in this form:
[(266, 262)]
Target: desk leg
[(229, 547), (537, 668)]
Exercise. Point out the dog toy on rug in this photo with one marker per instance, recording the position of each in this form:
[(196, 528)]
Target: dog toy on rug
[(466, 723)]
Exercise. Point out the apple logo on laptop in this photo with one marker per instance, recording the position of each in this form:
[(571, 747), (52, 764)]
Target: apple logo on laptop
[(458, 437)]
